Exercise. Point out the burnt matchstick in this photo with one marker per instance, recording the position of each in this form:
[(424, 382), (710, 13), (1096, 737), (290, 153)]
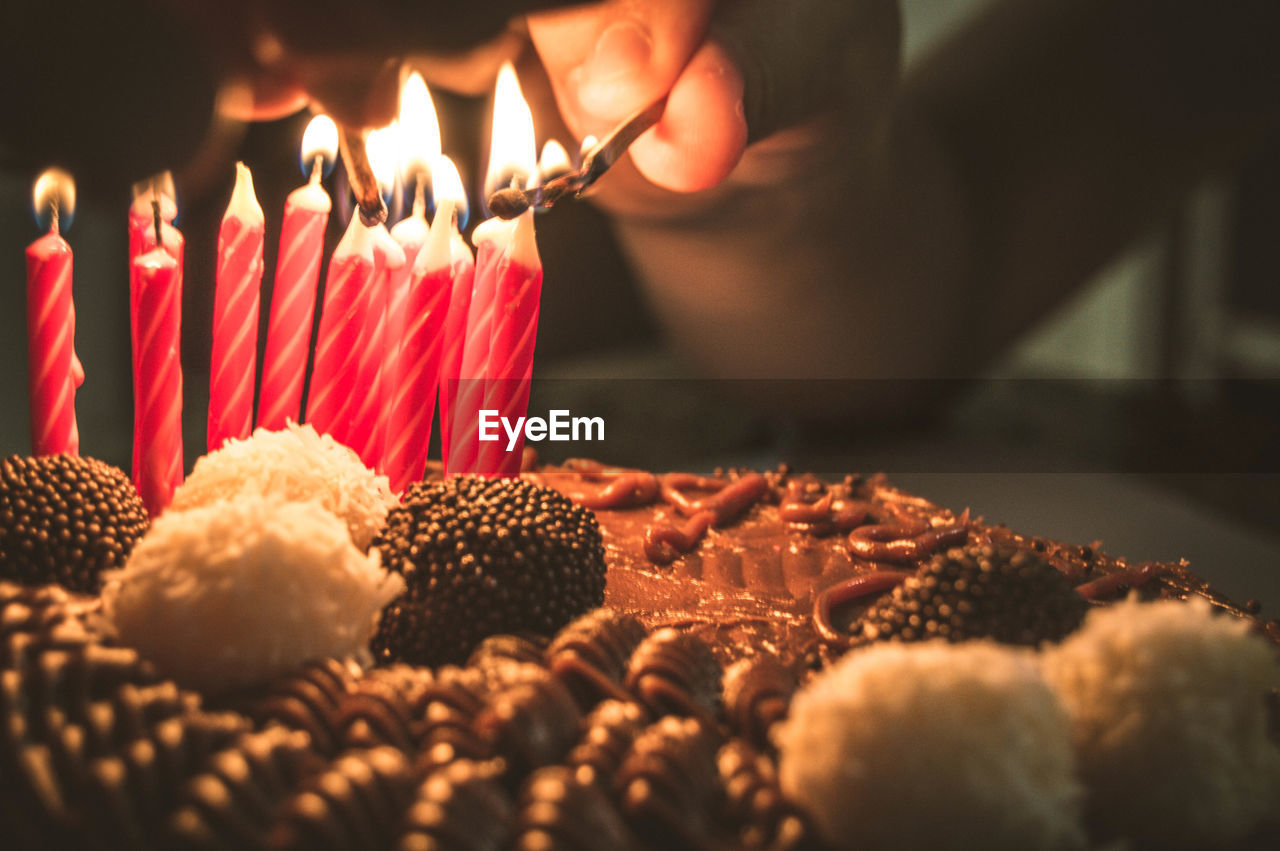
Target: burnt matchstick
[(512, 201), (355, 158)]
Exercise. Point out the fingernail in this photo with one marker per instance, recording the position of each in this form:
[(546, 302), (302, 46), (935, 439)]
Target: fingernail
[(620, 57)]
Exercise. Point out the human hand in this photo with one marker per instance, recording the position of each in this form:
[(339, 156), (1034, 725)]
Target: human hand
[(734, 72)]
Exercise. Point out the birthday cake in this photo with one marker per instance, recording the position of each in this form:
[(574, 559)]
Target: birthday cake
[(592, 657)]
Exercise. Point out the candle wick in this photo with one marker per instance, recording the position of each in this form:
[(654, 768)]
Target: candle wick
[(155, 219), (419, 198), (53, 217), (317, 169)]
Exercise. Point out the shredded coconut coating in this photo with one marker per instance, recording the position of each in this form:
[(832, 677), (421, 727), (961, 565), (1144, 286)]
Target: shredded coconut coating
[(239, 592), (1170, 724), (295, 464), (933, 745)]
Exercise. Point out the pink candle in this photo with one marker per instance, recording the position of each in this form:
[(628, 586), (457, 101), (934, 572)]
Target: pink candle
[(472, 389), (293, 303), (142, 217), (416, 373), (142, 238), (515, 331), (158, 412), (368, 427), (52, 368), (333, 378), (234, 356), (448, 185), (410, 233)]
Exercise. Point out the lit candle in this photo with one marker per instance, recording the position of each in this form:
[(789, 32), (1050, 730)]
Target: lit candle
[(499, 320), (416, 373), (293, 298), (333, 377), (53, 371), (448, 185), (158, 394), (368, 423), (234, 357), (515, 330)]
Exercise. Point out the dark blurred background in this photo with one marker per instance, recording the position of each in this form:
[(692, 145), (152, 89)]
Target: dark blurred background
[(1145, 413)]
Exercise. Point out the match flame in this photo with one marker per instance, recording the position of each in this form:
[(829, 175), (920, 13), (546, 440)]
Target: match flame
[(512, 149), (383, 146), (553, 162), (447, 185), (419, 129), (320, 139), (54, 197)]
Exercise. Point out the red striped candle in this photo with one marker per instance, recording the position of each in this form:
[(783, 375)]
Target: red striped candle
[(234, 357), (515, 331), (464, 439), (455, 329), (368, 426), (158, 412), (333, 377), (52, 368), (293, 303), (142, 240), (412, 392)]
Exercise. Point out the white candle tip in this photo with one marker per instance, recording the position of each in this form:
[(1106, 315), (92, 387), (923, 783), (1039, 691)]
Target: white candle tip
[(359, 239), (523, 248), (438, 251), (244, 203), (310, 197), (491, 230)]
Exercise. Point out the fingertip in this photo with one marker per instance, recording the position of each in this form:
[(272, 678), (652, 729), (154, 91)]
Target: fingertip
[(703, 131)]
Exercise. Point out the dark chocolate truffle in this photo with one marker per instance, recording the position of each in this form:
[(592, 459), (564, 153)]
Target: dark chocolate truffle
[(481, 557), (979, 591), (66, 519)]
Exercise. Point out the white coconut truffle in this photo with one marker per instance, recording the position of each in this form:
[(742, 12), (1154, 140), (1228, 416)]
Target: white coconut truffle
[(1170, 723), (295, 464), (933, 745), (240, 592)]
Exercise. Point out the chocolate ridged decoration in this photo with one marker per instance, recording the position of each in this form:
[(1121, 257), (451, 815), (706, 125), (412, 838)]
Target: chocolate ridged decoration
[(560, 809), (376, 713), (461, 807), (591, 654), (672, 672), (757, 694), (530, 723), (609, 731), (356, 802), (669, 786), (306, 700), (447, 709), (232, 802), (762, 817)]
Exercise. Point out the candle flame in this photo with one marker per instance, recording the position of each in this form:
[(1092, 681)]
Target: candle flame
[(513, 153), (553, 162), (382, 145), (54, 198), (447, 185), (419, 129), (588, 142), (320, 139)]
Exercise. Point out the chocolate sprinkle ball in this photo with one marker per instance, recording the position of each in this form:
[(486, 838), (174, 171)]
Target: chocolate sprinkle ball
[(481, 557), (66, 519), (978, 591)]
